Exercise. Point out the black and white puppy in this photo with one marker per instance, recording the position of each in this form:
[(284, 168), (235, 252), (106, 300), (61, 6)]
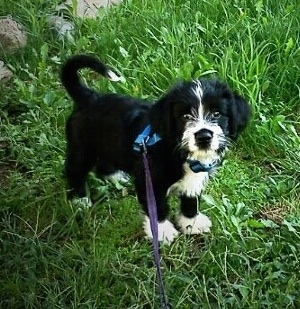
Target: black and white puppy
[(196, 121)]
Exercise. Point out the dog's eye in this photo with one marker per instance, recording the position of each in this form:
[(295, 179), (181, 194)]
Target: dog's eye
[(187, 117), (216, 115)]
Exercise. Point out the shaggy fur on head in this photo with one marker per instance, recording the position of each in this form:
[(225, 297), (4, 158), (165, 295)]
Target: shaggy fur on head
[(197, 121)]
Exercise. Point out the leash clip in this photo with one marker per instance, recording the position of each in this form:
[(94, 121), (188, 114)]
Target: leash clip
[(143, 145), (145, 139)]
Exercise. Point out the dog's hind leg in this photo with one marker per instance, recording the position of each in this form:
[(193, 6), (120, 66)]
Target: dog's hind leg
[(77, 166), (109, 172)]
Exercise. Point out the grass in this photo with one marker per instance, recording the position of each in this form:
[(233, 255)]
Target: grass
[(53, 255)]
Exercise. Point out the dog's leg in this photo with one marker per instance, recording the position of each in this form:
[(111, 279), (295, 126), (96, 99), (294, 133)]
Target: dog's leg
[(190, 220), (78, 164), (166, 230), (109, 172)]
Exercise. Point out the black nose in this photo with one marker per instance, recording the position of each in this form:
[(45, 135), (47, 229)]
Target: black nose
[(204, 136)]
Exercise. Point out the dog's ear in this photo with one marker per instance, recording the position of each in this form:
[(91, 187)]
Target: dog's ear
[(239, 114), (164, 115), (160, 116)]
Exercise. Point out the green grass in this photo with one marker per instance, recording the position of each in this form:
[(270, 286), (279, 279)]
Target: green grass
[(53, 255)]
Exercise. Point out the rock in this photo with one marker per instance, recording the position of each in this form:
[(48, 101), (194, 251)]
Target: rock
[(82, 9), (12, 35), (5, 73), (63, 27), (90, 8)]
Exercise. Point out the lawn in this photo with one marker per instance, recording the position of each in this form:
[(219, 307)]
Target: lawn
[(55, 255)]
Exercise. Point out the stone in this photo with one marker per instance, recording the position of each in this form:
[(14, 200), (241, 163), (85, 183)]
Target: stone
[(5, 73), (63, 27), (90, 8), (12, 35)]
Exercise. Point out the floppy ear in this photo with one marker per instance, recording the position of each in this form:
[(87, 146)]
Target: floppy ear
[(239, 114), (163, 115), (160, 117)]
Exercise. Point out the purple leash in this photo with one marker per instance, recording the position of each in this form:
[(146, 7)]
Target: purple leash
[(152, 211), (147, 139)]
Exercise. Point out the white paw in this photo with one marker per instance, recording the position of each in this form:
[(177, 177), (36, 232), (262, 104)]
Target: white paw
[(118, 176), (82, 202), (166, 231), (197, 225)]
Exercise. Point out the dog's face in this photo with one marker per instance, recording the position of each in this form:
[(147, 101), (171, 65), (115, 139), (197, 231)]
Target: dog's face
[(203, 116)]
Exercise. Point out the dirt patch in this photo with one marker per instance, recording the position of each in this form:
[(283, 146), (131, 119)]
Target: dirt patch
[(274, 213), (5, 170), (5, 167)]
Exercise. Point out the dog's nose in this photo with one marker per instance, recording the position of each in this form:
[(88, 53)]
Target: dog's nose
[(204, 136)]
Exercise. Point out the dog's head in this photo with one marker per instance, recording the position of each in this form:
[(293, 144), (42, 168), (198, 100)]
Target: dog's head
[(201, 117)]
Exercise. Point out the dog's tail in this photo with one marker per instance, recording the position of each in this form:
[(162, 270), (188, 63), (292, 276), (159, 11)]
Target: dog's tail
[(71, 80)]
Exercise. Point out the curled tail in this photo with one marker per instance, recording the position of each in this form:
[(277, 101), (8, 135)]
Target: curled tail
[(80, 93)]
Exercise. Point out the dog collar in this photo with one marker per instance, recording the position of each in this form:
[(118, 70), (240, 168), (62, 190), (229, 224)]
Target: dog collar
[(145, 139), (198, 167)]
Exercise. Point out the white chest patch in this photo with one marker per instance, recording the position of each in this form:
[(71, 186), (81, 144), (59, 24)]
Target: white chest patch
[(191, 184)]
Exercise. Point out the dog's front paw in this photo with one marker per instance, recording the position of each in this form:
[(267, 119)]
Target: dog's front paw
[(197, 225), (166, 231)]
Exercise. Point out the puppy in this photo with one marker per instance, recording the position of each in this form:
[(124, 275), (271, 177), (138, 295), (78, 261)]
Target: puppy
[(194, 124)]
